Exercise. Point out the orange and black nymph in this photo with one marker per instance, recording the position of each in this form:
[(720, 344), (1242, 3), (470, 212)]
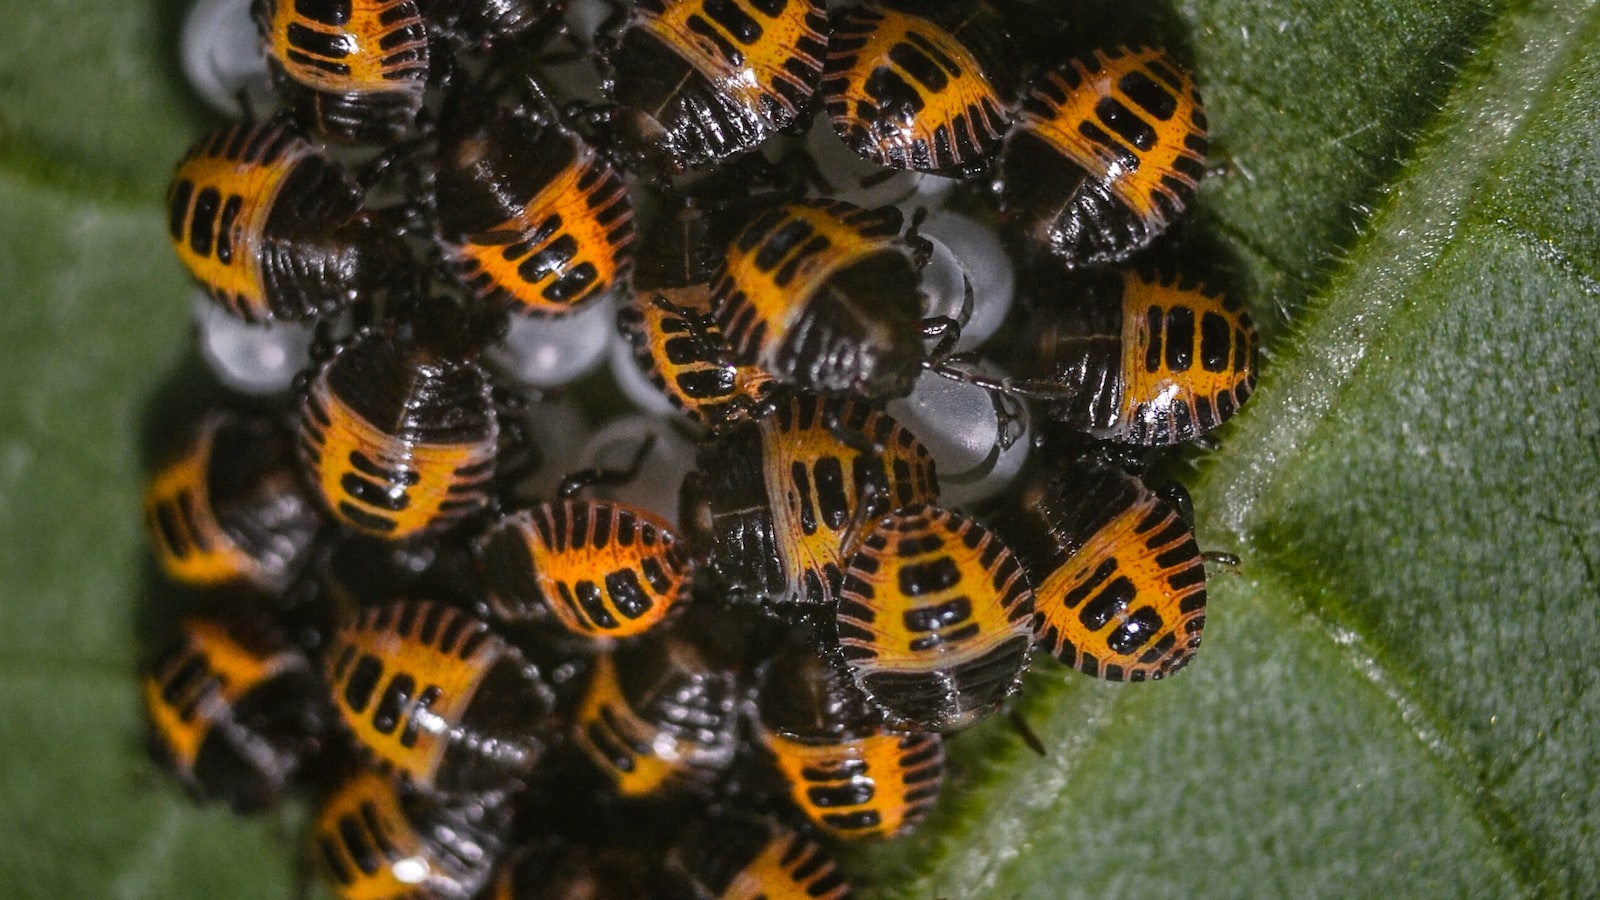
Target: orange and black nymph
[(272, 227), (601, 569), (235, 708), (376, 837), (739, 857), (824, 295), (530, 216), (1119, 582), (935, 619), (679, 348), (921, 85), (661, 716), (699, 82), (668, 323), (1143, 356), (772, 501), (1104, 154), (434, 695), (398, 437), (353, 70), (228, 508), (851, 775)]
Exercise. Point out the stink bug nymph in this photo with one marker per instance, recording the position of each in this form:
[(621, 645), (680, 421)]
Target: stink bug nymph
[(1144, 357), (436, 696), (920, 85), (680, 349), (1120, 584), (661, 715), (935, 618), (272, 227), (531, 218), (770, 505), (354, 70), (398, 429), (825, 296), (852, 776), (668, 323), (736, 857), (601, 569), (234, 707), (229, 509), (699, 82), (377, 837), (1104, 154)]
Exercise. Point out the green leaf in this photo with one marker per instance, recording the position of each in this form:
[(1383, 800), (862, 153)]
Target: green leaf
[(1395, 696)]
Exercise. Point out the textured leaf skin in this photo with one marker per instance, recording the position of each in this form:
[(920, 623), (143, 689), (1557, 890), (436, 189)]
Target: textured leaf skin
[(1395, 696)]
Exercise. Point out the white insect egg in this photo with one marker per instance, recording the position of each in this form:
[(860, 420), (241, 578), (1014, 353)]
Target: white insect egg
[(223, 55), (558, 430), (584, 17), (965, 251), (958, 424), (550, 352), (868, 184), (655, 487), (259, 360), (575, 76)]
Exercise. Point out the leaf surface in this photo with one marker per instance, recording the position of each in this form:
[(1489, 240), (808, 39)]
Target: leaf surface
[(1395, 696)]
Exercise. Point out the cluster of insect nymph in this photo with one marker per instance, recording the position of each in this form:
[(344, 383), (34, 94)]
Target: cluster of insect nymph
[(693, 653)]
